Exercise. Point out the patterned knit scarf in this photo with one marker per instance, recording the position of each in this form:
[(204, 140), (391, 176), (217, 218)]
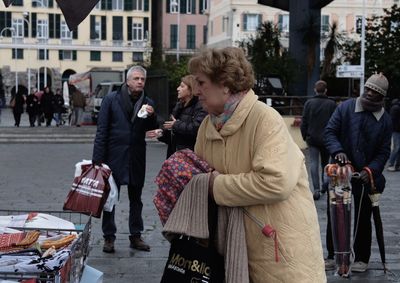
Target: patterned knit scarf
[(229, 107)]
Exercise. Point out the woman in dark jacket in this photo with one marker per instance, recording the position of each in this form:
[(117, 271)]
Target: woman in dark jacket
[(186, 117), (18, 108), (32, 107), (47, 103)]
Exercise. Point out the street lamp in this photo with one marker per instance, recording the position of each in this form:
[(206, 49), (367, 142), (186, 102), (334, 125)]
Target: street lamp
[(362, 50), (176, 3), (15, 53), (25, 14)]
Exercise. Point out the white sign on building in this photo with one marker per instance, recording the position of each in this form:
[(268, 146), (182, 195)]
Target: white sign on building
[(349, 71)]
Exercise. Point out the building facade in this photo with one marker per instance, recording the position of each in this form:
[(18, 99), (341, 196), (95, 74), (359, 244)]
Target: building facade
[(184, 27), (232, 21), (37, 48)]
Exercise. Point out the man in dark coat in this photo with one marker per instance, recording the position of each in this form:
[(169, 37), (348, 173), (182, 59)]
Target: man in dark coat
[(394, 160), (316, 114), (120, 143), (32, 105), (359, 132)]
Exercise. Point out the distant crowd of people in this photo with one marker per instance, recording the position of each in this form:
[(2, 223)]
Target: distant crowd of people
[(44, 106)]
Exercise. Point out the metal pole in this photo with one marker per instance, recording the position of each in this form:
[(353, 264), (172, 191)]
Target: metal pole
[(29, 49), (178, 27), (362, 50)]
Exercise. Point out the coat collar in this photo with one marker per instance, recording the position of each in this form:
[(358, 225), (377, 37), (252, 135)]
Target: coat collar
[(236, 121)]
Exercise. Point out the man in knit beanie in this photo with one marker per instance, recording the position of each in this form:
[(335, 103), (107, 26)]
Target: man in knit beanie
[(359, 132)]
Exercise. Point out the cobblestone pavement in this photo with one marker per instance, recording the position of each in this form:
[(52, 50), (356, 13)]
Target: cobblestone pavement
[(38, 177)]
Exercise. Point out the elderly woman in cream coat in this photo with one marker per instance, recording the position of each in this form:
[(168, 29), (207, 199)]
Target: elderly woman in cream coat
[(259, 167)]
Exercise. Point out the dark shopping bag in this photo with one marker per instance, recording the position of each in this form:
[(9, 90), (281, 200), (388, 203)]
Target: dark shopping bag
[(89, 191), (190, 262)]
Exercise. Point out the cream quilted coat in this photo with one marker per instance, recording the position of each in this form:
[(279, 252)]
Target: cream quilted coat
[(263, 170)]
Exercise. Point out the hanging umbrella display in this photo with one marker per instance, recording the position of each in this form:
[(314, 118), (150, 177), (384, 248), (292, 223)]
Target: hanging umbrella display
[(374, 196), (340, 211)]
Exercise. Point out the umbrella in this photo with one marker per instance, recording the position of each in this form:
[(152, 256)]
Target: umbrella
[(340, 212), (75, 11), (374, 196)]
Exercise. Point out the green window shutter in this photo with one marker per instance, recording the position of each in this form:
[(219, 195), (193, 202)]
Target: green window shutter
[(95, 56), (51, 26), (60, 54), (58, 26), (129, 29), (173, 36), (117, 28), (18, 3), (103, 28), (146, 5), (205, 30), (33, 23), (244, 22), (146, 28), (128, 5), (259, 20), (103, 4), (193, 6), (92, 27), (201, 6), (51, 4), (109, 4), (191, 37), (74, 55), (168, 6), (280, 22), (182, 6), (75, 33)]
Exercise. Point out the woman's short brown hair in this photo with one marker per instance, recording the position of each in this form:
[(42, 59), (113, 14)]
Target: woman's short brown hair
[(228, 66), (191, 82)]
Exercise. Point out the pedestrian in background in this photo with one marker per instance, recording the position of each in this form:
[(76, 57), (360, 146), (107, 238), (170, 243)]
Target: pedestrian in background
[(181, 131), (58, 107), (124, 118), (394, 159), (78, 102), (32, 107), (40, 115), (359, 132), (17, 104), (316, 114), (47, 104), (259, 167)]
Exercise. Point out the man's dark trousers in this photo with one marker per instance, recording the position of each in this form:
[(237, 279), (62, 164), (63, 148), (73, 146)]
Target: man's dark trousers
[(135, 215)]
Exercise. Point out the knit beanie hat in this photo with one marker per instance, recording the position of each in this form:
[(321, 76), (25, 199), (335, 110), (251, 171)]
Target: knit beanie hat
[(378, 83)]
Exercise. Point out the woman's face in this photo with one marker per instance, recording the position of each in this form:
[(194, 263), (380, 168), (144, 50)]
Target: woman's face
[(212, 96), (184, 92)]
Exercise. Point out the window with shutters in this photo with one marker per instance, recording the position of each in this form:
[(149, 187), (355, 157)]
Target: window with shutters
[(95, 56), (203, 6), (67, 54), (173, 36), (137, 57), (18, 25), (283, 23), (40, 3), (173, 6), (18, 53), (117, 56), (65, 33), (251, 22), (325, 23), (97, 30), (137, 32), (137, 5), (191, 37), (42, 29), (41, 54), (189, 6), (18, 3), (118, 5)]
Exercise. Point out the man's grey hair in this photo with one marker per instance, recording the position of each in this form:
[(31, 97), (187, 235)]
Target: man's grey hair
[(137, 69)]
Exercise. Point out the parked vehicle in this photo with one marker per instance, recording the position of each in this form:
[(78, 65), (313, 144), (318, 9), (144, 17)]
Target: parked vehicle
[(100, 91)]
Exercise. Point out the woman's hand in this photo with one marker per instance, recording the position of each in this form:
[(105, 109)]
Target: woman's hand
[(169, 124), (154, 134), (213, 175)]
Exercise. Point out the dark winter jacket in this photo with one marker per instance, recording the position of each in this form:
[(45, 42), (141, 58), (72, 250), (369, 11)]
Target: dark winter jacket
[(395, 114), (120, 137), (19, 103), (32, 106), (58, 103), (47, 103), (365, 140), (316, 114), (184, 131)]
